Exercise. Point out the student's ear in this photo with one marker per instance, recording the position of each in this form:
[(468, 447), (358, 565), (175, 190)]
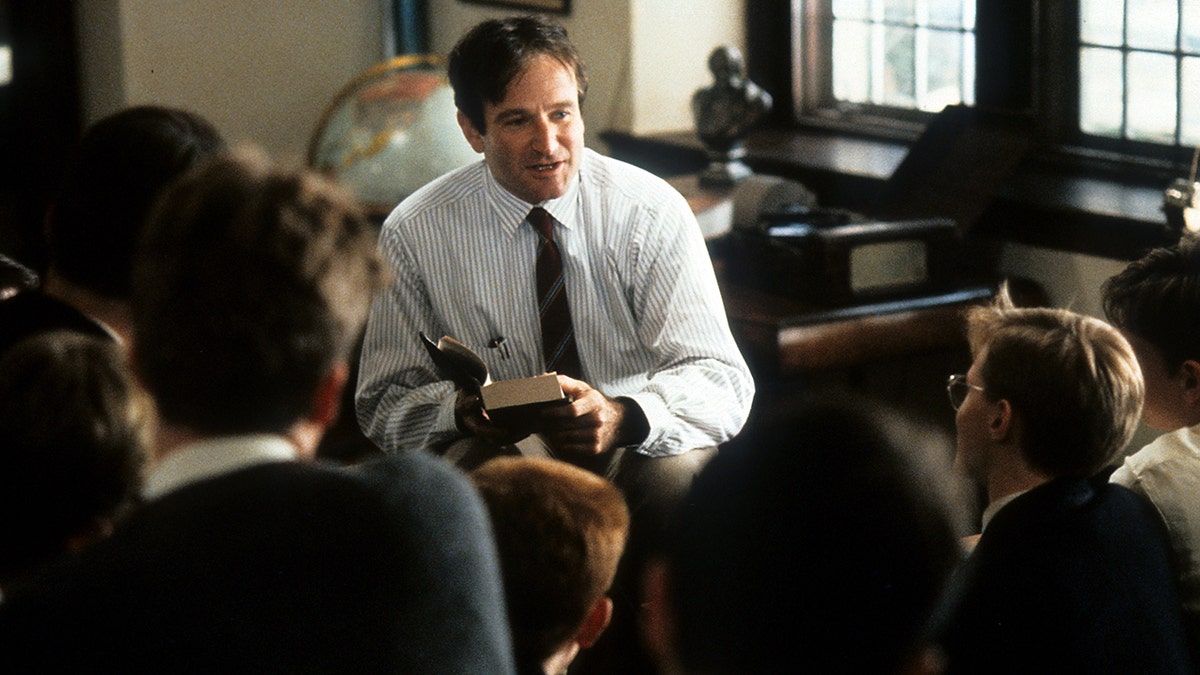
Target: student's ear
[(1189, 378), (1001, 420), (473, 136), (327, 399), (595, 623), (323, 409)]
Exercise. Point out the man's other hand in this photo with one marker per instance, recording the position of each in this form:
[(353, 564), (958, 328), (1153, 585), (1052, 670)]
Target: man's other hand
[(592, 423)]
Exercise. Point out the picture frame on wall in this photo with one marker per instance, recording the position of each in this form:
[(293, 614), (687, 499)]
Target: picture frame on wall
[(546, 6)]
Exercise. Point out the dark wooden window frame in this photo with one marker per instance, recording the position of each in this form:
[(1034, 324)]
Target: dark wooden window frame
[(1073, 193)]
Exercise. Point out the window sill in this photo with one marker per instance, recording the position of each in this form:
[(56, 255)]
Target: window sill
[(1047, 206)]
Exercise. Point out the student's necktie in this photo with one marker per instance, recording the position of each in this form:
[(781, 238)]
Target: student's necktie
[(558, 335)]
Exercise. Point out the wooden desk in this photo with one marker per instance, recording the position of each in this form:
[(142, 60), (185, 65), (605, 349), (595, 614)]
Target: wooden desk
[(898, 354), (782, 337)]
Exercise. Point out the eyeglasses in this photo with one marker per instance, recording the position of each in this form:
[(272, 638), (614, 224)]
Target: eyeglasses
[(958, 388)]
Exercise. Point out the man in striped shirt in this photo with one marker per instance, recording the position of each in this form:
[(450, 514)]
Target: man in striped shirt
[(661, 381), (660, 372)]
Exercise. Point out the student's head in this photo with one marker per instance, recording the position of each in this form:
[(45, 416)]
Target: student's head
[(823, 535), (73, 436), (560, 531), (250, 287), (519, 85), (1155, 301), (123, 161), (1067, 386)]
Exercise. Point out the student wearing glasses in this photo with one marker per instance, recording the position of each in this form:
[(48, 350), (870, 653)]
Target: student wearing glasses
[(1070, 573)]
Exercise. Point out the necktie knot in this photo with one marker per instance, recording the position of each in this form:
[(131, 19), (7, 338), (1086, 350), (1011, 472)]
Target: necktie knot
[(542, 221)]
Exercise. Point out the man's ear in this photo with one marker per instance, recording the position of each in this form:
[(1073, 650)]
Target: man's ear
[(473, 135), (595, 623)]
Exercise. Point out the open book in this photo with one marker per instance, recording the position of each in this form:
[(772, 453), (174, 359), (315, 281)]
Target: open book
[(509, 403)]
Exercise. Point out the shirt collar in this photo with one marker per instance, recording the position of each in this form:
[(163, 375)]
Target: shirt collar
[(213, 457), (510, 211), (993, 508)]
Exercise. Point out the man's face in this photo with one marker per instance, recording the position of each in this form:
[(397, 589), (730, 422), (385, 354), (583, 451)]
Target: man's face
[(1166, 407), (534, 138), (971, 423)]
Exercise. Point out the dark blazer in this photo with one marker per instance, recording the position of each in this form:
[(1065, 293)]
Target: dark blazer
[(280, 568), (1070, 577)]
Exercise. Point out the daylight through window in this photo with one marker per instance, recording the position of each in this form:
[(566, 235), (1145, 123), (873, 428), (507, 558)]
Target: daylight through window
[(1139, 70), (916, 54)]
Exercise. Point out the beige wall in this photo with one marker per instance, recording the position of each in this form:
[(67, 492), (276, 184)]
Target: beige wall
[(261, 70), (1072, 280), (645, 57), (670, 43), (265, 70), (600, 28)]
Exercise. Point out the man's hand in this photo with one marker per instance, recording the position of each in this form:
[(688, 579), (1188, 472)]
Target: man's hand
[(471, 418), (592, 423)]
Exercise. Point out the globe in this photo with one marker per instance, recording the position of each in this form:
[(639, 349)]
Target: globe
[(391, 130)]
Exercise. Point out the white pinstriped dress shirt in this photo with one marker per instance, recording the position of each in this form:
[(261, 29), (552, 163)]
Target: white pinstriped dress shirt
[(649, 321)]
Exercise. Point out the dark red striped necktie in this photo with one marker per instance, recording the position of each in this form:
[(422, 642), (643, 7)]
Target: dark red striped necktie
[(558, 334)]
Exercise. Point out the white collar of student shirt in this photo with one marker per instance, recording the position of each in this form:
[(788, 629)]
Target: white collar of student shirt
[(994, 508), (213, 457)]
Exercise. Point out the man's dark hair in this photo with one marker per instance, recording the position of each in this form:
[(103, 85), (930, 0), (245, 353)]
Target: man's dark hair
[(823, 532), (74, 429), (122, 163), (1157, 298), (490, 55), (250, 284)]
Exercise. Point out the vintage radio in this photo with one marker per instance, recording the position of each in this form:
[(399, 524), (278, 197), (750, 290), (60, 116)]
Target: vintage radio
[(909, 240), (833, 258)]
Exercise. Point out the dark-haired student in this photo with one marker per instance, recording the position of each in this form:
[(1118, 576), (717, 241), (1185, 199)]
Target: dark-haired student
[(74, 436), (249, 287), (1155, 302), (121, 165), (819, 541)]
